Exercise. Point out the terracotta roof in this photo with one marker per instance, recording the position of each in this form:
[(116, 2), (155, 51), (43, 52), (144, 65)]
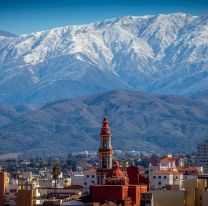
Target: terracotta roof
[(168, 159), (90, 171), (176, 173), (160, 172), (166, 172), (187, 168)]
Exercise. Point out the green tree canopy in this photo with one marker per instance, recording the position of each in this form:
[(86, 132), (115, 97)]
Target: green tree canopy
[(56, 171)]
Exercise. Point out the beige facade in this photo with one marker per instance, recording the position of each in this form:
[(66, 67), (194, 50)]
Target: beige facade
[(196, 192), (193, 193), (163, 198), (204, 198), (27, 176), (168, 198)]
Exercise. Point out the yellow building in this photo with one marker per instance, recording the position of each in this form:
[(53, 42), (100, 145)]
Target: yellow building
[(196, 191), (204, 198), (163, 198), (3, 186), (193, 193)]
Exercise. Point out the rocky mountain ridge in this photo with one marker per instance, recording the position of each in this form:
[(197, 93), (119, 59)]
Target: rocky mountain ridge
[(157, 54)]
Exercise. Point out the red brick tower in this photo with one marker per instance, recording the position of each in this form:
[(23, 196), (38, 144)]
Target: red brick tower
[(105, 153), (112, 183)]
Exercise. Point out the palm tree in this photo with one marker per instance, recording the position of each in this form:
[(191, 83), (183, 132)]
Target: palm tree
[(56, 171)]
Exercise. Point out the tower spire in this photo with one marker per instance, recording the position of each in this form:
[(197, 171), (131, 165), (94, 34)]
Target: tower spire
[(105, 130), (105, 152)]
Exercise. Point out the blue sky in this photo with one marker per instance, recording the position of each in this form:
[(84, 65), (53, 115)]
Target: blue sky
[(24, 16)]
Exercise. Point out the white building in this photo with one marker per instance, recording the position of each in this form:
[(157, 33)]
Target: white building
[(170, 162), (85, 179), (77, 178), (189, 172), (159, 179), (170, 170), (89, 179)]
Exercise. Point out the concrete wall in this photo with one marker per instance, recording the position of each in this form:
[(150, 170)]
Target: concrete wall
[(77, 179), (25, 197), (168, 198), (204, 198)]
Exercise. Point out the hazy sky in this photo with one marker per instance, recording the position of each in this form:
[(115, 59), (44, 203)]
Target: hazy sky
[(24, 16)]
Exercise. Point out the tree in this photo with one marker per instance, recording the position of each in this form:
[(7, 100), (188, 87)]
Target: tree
[(56, 171)]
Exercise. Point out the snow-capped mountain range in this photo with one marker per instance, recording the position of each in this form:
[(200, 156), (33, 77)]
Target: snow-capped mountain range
[(157, 54)]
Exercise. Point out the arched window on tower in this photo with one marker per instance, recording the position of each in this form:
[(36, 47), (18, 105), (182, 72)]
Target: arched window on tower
[(105, 145), (104, 165)]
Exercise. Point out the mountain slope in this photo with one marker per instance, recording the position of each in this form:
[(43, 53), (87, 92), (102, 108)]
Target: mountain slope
[(9, 113), (4, 33), (158, 54), (138, 121)]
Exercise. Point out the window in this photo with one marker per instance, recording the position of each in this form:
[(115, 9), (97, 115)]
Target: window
[(159, 177), (93, 176), (13, 190), (93, 182), (85, 183), (165, 177), (154, 177), (159, 183), (88, 176), (105, 144), (143, 203)]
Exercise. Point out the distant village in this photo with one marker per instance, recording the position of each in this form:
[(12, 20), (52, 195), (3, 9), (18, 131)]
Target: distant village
[(108, 177)]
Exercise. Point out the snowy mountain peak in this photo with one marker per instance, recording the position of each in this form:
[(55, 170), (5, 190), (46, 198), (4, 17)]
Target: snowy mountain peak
[(158, 54)]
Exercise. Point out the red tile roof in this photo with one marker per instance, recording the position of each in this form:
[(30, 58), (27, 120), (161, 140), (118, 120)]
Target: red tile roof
[(166, 172), (90, 171)]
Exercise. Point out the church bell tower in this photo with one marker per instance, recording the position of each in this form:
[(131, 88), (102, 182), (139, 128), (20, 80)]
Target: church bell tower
[(104, 153)]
